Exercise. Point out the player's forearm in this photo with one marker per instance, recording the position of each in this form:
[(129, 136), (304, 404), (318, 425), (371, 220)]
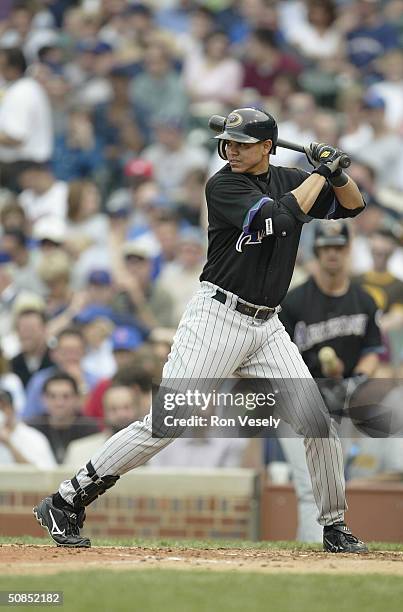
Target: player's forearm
[(349, 195), (307, 193), (367, 365), (280, 217)]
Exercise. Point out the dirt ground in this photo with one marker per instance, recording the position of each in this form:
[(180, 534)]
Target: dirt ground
[(17, 559)]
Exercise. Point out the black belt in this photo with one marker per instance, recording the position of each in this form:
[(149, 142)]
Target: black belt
[(262, 312)]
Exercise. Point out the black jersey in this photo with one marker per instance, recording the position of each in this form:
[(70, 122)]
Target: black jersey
[(347, 323), (255, 266)]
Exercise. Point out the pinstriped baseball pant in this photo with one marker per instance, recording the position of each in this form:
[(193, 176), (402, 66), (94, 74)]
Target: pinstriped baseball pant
[(215, 341)]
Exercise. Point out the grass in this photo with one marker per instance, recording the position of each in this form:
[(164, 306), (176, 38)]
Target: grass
[(202, 591), (201, 544)]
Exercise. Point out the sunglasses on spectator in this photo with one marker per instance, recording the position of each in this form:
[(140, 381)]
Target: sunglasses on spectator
[(47, 242), (133, 258)]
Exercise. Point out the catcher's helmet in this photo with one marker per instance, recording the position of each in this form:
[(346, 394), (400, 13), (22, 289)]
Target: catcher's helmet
[(244, 125)]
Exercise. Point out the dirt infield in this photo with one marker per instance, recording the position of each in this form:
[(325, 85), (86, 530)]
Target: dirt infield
[(44, 559)]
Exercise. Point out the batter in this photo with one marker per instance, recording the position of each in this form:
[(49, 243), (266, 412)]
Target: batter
[(256, 212)]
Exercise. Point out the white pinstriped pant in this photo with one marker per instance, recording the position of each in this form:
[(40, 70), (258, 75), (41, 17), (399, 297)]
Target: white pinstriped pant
[(215, 341)]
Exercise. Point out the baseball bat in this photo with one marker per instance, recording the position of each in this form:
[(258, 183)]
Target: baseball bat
[(345, 160), (217, 123)]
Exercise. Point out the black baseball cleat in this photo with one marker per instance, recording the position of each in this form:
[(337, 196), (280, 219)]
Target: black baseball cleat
[(339, 539), (63, 524)]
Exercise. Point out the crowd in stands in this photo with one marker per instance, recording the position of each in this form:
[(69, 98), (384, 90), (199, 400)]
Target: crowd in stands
[(104, 154)]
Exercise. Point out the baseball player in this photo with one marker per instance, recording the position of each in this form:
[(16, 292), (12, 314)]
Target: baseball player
[(256, 212), (332, 319), (330, 310)]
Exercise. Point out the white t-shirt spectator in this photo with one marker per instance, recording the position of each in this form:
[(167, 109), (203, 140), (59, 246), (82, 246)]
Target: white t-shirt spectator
[(51, 203), (32, 445), (25, 114), (313, 44), (171, 167), (392, 94)]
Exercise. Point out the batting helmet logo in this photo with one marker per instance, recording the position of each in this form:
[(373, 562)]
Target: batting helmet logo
[(233, 120)]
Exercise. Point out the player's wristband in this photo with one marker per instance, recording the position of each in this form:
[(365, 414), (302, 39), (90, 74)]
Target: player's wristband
[(322, 170), (338, 179)]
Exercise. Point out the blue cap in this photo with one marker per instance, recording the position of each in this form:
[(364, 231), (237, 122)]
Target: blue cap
[(373, 101), (96, 47), (99, 277), (92, 312), (125, 339)]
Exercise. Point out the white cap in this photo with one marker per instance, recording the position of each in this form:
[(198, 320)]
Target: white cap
[(50, 228), (145, 246)]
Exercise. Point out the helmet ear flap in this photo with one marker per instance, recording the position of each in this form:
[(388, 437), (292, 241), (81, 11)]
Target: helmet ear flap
[(222, 152)]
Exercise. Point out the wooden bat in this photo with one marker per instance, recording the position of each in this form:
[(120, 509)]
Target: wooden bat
[(217, 123)]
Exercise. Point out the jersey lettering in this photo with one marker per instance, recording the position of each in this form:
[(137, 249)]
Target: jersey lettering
[(307, 336)]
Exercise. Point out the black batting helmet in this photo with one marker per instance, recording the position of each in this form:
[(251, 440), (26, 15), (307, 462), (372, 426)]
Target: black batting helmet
[(247, 125)]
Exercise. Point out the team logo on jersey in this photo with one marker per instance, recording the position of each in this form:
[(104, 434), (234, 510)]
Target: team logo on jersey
[(249, 239), (233, 120), (307, 336)]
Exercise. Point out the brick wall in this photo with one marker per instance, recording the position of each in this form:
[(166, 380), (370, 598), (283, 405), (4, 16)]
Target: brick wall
[(146, 503)]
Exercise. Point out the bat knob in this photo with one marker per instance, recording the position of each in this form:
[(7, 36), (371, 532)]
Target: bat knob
[(345, 161), (216, 123)]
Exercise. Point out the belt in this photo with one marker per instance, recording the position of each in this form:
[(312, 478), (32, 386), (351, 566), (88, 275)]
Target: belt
[(261, 312)]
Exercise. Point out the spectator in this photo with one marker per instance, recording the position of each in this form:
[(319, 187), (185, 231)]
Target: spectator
[(11, 383), (388, 145), (165, 228), (54, 270), (96, 329), (369, 36), (62, 422), (373, 461), (172, 157), (390, 88), (297, 127), (204, 73), (78, 152), (90, 73), (157, 92), (181, 277), (86, 227), (120, 409), (67, 354), (189, 199), (385, 288), (25, 118), (115, 124), (265, 61), (20, 443), (12, 217), (139, 297), (126, 349), (22, 262), (317, 38), (35, 354), (49, 233), (42, 195), (202, 23)]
